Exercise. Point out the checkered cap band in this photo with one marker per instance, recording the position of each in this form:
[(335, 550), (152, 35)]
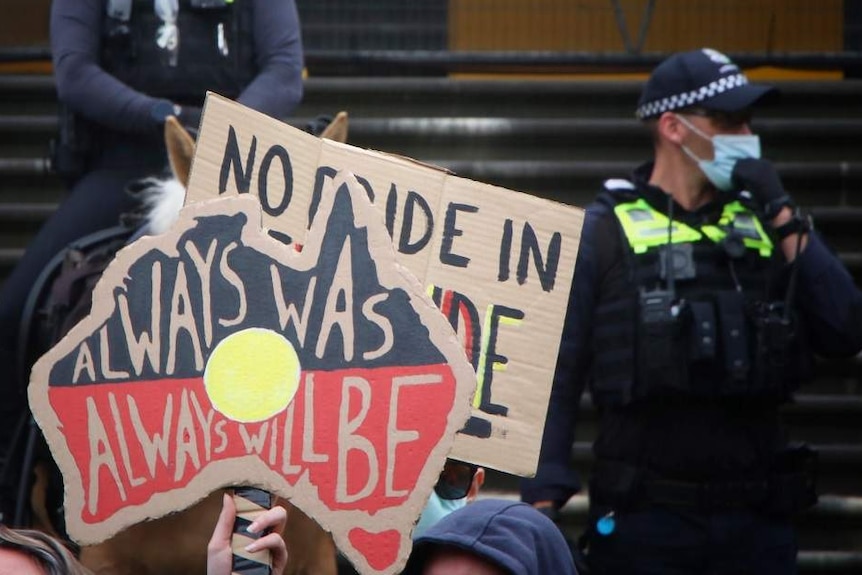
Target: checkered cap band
[(686, 99)]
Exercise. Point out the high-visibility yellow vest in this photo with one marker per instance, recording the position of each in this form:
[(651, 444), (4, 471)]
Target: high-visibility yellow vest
[(646, 227)]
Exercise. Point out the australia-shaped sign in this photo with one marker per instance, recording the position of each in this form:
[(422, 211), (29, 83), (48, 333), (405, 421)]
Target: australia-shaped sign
[(215, 355)]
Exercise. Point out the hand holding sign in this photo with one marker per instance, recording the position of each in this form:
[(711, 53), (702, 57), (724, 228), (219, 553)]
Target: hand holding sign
[(222, 546)]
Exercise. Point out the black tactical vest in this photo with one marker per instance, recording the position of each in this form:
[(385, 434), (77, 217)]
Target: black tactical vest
[(724, 332), (215, 51)]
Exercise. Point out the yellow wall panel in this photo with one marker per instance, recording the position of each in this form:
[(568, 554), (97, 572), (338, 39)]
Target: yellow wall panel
[(25, 23), (590, 25)]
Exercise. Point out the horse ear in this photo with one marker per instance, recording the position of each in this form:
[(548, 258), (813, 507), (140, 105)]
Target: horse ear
[(337, 129), (181, 149)]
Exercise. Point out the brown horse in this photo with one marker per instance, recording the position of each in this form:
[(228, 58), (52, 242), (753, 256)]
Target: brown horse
[(176, 544)]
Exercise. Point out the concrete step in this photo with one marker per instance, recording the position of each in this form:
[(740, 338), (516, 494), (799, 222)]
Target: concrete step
[(514, 98), (26, 212), (802, 139), (502, 136), (388, 97)]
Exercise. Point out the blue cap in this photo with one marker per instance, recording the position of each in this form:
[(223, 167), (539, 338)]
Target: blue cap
[(705, 78)]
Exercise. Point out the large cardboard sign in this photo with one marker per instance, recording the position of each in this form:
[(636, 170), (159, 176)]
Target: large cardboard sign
[(215, 355), (498, 263)]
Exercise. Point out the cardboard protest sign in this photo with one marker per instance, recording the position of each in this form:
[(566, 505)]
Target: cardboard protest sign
[(498, 263), (215, 355)]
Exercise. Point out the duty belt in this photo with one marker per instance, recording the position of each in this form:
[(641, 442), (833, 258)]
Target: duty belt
[(624, 486)]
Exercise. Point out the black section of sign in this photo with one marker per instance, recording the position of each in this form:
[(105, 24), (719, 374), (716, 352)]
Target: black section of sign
[(249, 289)]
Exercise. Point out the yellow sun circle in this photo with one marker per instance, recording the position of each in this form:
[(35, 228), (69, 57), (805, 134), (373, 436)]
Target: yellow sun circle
[(252, 374)]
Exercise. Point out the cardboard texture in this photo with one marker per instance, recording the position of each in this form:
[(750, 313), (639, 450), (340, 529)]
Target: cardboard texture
[(215, 355), (498, 263)]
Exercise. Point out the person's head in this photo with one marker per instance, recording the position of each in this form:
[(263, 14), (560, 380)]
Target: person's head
[(26, 552), (692, 97), (492, 537), (459, 484)]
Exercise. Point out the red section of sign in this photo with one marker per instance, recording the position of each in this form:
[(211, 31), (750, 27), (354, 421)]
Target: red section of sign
[(465, 324), (379, 549), (132, 440)]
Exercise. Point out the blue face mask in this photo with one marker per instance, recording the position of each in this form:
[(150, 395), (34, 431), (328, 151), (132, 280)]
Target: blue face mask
[(435, 510), (728, 148)]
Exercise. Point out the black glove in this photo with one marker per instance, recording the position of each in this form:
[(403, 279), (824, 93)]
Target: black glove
[(760, 178), (189, 116)]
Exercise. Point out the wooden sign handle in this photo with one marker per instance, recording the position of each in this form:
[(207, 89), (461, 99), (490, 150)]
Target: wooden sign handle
[(250, 502)]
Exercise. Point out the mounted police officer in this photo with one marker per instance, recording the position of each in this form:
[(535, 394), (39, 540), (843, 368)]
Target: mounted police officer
[(121, 68), (700, 295)]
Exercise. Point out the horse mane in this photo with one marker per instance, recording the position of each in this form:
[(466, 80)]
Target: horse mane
[(161, 199)]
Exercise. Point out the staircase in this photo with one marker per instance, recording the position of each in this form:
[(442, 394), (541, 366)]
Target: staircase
[(559, 139)]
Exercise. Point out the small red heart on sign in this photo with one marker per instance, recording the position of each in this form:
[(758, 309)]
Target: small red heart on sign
[(379, 549)]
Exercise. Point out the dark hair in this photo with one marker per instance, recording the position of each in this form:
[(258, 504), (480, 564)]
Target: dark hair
[(652, 127), (48, 551), (724, 120), (455, 479)]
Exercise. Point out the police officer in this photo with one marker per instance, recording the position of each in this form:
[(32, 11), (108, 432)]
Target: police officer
[(700, 295), (121, 67)]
